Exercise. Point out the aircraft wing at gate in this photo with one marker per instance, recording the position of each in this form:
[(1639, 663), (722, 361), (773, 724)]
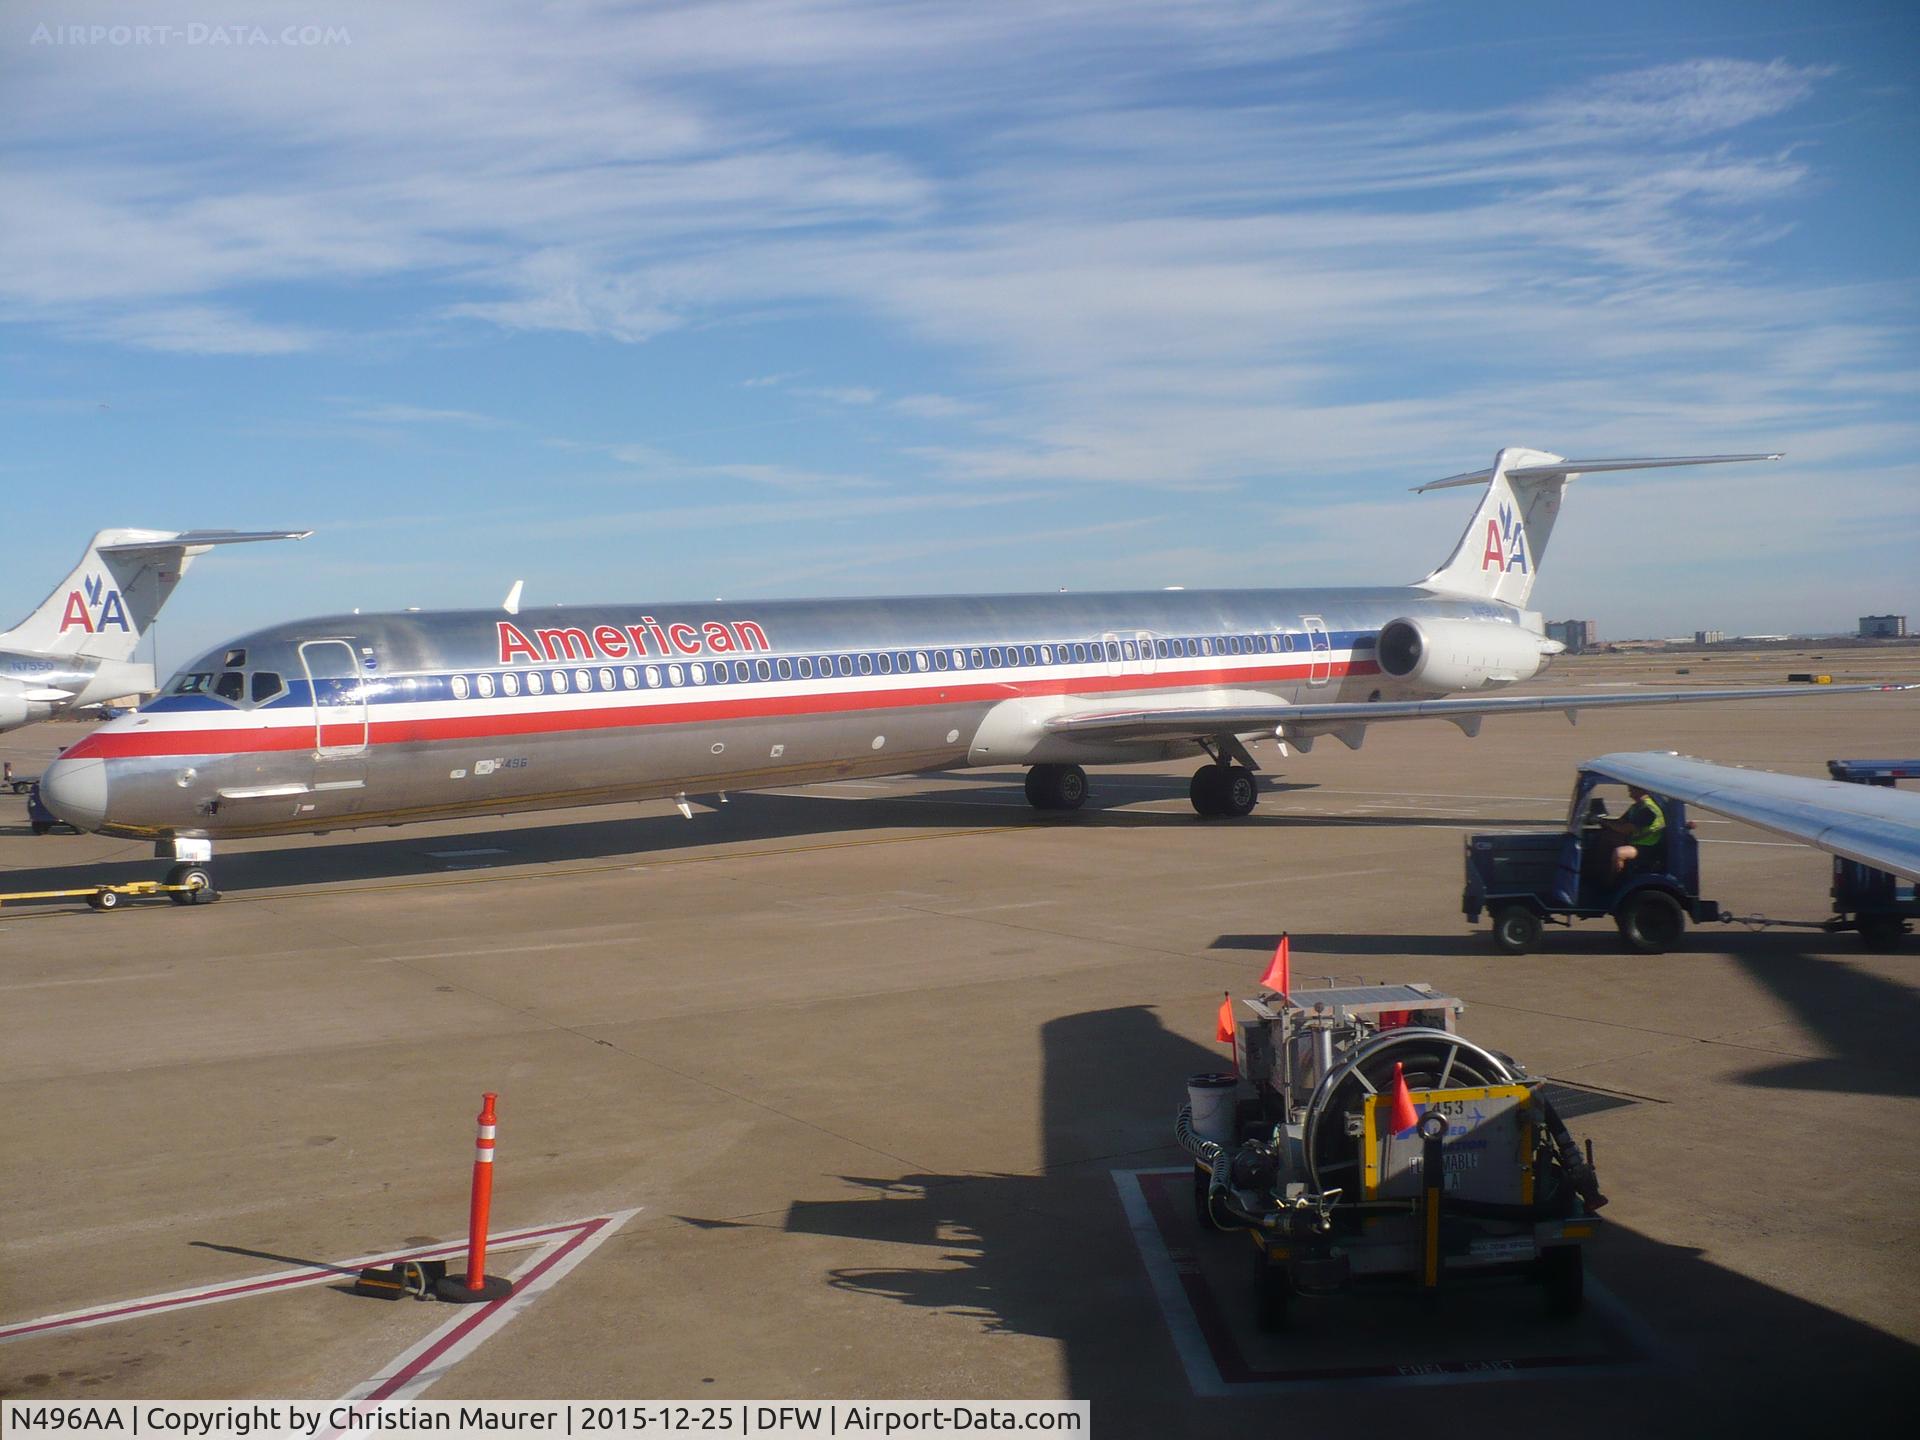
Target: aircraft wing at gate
[(1303, 722), (1872, 824)]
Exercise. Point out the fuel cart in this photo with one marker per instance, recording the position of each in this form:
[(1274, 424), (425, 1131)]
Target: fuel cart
[(1365, 1142)]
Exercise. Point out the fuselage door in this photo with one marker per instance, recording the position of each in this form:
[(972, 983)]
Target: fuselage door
[(1149, 658), (339, 698), (1321, 644)]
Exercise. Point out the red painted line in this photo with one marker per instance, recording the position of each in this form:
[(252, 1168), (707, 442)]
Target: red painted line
[(480, 1313), (111, 744), (309, 1276)]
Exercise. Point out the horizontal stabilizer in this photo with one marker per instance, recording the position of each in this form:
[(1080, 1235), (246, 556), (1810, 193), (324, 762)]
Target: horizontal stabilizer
[(1561, 469), (194, 539)]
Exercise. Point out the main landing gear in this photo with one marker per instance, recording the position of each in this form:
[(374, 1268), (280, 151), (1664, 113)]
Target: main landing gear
[(1056, 787), (1224, 790)]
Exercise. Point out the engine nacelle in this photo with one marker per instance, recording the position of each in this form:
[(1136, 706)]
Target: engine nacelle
[(15, 711), (1444, 655)]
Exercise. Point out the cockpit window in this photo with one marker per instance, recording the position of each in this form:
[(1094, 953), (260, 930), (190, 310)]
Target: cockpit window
[(231, 685), (236, 660), (266, 685), (194, 683)]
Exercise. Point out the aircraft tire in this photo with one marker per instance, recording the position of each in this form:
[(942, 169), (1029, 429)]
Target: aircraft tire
[(1056, 787), (1650, 922), (201, 881), (1239, 791), (103, 900), (1206, 790)]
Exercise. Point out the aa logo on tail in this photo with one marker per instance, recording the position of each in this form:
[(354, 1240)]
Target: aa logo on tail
[(99, 609), (1506, 543)]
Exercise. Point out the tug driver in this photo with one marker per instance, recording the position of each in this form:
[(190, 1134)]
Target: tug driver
[(1641, 829)]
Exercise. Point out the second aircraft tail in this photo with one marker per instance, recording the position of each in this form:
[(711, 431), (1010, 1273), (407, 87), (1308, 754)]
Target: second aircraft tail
[(103, 608)]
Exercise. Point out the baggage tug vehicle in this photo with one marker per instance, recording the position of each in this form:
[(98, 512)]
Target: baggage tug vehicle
[(1365, 1140)]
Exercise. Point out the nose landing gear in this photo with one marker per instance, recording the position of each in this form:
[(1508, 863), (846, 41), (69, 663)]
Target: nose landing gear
[(196, 885)]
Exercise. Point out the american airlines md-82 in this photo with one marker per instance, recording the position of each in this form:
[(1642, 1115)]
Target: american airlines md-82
[(357, 720)]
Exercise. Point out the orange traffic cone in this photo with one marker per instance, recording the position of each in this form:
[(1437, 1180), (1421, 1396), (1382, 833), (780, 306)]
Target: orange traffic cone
[(1405, 1117)]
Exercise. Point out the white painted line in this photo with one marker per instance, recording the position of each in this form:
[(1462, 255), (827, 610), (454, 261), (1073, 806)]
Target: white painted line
[(989, 909), (1283, 877), (97, 980), (1188, 1343), (118, 1310), (419, 1367)]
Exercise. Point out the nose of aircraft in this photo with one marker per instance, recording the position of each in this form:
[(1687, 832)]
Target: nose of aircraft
[(76, 791)]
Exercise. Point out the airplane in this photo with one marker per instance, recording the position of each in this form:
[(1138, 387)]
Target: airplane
[(77, 648), (385, 719)]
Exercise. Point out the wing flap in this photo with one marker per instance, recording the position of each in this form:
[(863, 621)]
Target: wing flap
[(1872, 824)]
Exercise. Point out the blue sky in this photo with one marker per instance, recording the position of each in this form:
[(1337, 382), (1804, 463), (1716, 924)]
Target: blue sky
[(803, 297)]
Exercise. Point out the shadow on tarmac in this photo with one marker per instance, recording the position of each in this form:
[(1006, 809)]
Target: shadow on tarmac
[(1869, 1023), (1052, 1255), (749, 818)]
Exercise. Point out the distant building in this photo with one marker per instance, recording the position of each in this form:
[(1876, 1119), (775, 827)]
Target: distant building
[(1709, 637), (1576, 635), (1877, 627)]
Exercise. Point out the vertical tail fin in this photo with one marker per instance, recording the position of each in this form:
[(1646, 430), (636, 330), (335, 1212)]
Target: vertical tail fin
[(103, 608), (1498, 558)]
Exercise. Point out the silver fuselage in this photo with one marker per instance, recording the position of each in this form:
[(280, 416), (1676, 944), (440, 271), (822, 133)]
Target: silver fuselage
[(353, 720)]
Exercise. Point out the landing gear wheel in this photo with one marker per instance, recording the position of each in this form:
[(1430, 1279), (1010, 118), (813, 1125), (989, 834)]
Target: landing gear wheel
[(1650, 921), (1272, 1292), (1224, 790), (104, 899), (1202, 1186), (1882, 932), (1516, 929), (1563, 1271), (1056, 787), (1239, 791), (198, 881), (1204, 790)]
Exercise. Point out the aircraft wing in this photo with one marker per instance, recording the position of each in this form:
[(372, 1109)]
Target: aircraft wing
[(1302, 722), (1872, 824)]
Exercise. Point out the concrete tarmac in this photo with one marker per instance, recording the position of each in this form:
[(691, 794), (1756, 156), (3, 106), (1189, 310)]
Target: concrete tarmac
[(866, 1057)]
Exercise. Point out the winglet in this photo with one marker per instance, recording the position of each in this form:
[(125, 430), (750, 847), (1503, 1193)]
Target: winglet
[(512, 603)]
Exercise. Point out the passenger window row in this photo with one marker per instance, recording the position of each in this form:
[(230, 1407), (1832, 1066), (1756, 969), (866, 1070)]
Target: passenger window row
[(607, 678)]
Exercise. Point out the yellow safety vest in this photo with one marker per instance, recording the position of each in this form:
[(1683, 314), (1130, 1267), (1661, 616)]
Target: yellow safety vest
[(1650, 833)]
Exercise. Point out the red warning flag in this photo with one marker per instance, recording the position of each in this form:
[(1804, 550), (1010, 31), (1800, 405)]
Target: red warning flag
[(1405, 1117), (1279, 974), (1223, 1031)]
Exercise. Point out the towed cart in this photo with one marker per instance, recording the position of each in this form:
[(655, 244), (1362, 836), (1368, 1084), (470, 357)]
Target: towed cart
[(1366, 1143), (1876, 903)]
